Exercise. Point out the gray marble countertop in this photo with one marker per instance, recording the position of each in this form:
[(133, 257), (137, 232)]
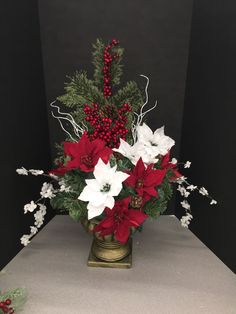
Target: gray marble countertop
[(173, 273)]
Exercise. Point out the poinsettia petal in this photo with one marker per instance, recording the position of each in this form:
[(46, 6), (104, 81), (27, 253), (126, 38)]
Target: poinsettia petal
[(109, 202), (94, 211), (71, 148), (122, 232), (105, 154), (136, 217), (144, 133), (105, 223), (73, 164), (155, 177), (89, 195), (93, 184), (131, 180), (165, 160), (101, 170), (139, 169), (150, 191), (160, 131)]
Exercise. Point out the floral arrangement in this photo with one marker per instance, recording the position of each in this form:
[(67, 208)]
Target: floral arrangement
[(112, 169), (11, 301)]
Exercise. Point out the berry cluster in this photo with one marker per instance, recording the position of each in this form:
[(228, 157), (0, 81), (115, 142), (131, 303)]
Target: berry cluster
[(107, 60), (4, 306), (108, 123)]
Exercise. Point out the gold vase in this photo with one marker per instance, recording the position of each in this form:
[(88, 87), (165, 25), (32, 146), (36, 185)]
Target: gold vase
[(106, 251), (109, 251)]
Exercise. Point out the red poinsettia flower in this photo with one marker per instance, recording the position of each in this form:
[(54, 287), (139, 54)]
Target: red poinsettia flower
[(166, 164), (119, 220), (84, 155), (144, 180)]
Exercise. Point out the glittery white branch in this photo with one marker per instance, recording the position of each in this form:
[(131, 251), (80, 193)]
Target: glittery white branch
[(78, 130), (139, 116)]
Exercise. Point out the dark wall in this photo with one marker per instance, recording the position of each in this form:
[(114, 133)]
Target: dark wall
[(155, 35), (24, 126), (208, 137)]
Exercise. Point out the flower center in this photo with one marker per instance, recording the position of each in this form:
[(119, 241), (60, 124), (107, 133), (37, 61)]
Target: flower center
[(139, 183), (136, 201), (87, 160), (153, 144), (106, 188)]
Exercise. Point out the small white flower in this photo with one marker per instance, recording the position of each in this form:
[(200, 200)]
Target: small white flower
[(213, 202), (203, 191), (174, 161), (43, 208), (47, 191), (36, 172), (185, 220), (187, 164), (30, 207), (99, 192), (180, 180), (63, 187), (192, 187), (22, 171), (33, 230), (157, 143), (25, 239), (185, 204), (183, 191), (39, 215)]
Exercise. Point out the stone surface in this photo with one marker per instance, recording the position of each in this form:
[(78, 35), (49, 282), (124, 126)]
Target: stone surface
[(173, 273)]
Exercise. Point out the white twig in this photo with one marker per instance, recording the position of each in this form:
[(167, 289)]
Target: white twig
[(78, 130), (139, 116)]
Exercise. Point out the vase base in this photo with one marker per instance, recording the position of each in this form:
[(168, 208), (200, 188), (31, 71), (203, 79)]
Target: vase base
[(126, 262)]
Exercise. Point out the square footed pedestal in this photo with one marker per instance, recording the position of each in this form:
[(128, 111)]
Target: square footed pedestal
[(126, 262)]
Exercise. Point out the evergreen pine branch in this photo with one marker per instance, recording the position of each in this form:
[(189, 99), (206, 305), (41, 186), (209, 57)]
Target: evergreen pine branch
[(98, 63), (129, 94), (80, 90), (116, 66)]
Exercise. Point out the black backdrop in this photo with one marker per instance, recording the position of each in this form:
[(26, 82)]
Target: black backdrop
[(208, 136), (24, 126), (156, 36)]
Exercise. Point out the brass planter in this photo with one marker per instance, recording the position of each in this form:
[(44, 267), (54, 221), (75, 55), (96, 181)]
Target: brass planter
[(106, 251), (110, 251)]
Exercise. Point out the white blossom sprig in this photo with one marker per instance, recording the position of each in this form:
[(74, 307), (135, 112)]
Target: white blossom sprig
[(39, 220), (185, 188)]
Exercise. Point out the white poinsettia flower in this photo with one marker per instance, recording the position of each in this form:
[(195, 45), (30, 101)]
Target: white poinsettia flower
[(156, 143), (133, 153), (100, 192)]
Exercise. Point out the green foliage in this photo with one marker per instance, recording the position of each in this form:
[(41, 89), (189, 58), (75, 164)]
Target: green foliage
[(98, 48), (123, 164), (126, 192), (17, 296), (129, 94), (69, 200), (79, 91), (116, 67), (77, 209), (155, 207)]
